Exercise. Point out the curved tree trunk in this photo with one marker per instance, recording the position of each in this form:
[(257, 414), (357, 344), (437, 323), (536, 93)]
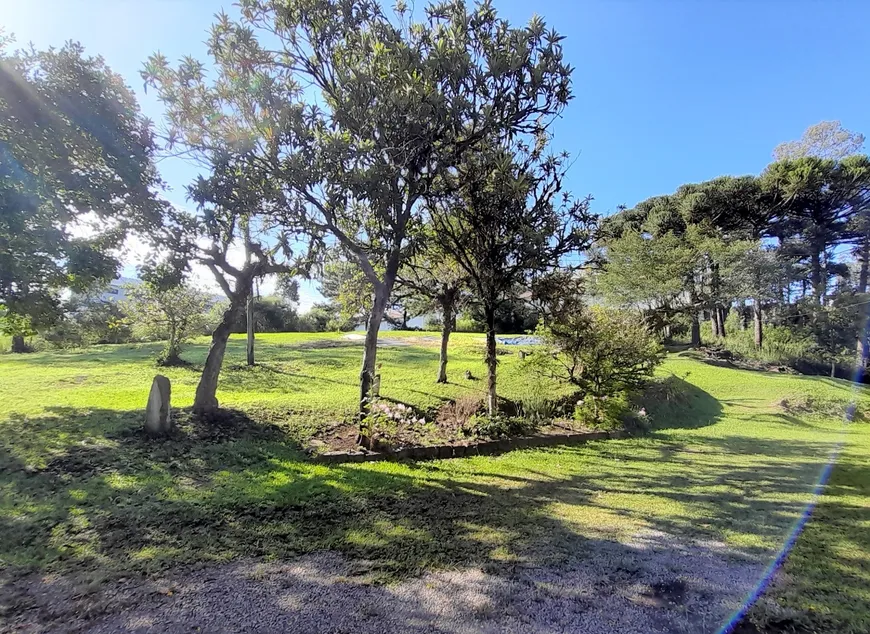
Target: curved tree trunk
[(370, 357), (206, 401), (249, 318), (491, 362), (18, 345), (756, 317), (446, 328)]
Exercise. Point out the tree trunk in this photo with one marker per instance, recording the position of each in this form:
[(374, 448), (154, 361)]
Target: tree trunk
[(18, 345), (446, 327), (744, 315), (864, 334), (370, 357), (833, 369), (491, 362), (864, 262), (714, 323), (756, 317), (816, 277), (863, 349), (206, 401), (723, 315), (250, 324), (695, 330)]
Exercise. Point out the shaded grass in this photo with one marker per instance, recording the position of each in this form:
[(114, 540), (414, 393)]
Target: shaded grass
[(82, 489)]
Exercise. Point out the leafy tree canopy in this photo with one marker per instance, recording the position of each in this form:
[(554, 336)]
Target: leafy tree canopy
[(76, 176)]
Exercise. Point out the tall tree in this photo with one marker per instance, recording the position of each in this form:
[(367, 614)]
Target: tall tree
[(226, 134), (504, 219), (829, 140), (824, 140), (437, 281), (820, 200), (361, 111), (174, 314), (231, 220), (76, 176)]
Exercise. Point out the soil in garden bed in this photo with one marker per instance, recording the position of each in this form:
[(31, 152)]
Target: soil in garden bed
[(343, 436)]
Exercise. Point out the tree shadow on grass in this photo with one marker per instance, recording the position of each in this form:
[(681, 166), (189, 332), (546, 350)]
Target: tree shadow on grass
[(824, 588), (674, 403), (108, 498)]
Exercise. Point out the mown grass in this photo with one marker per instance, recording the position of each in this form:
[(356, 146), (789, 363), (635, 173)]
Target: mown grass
[(83, 490)]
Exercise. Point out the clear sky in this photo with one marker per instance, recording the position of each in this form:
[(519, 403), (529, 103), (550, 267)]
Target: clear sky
[(666, 91)]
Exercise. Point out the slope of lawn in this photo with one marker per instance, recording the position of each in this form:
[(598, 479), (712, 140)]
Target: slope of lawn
[(728, 462)]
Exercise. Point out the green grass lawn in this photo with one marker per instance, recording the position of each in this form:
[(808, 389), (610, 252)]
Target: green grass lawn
[(82, 490)]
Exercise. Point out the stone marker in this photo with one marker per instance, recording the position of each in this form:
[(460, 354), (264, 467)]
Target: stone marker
[(157, 415)]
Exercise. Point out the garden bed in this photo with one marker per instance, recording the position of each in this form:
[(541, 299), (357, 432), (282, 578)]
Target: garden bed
[(548, 437)]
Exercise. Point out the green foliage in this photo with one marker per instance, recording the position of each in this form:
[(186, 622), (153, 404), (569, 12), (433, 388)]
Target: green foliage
[(173, 314), (825, 140), (782, 345), (90, 321), (502, 426), (271, 314), (514, 315), (349, 291), (535, 405), (601, 351), (76, 176), (14, 325), (604, 412), (317, 319), (644, 272), (467, 324)]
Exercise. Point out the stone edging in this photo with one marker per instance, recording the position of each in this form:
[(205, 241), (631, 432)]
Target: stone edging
[(483, 448)]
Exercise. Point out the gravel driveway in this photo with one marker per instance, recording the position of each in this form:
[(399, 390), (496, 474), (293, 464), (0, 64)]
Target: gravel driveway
[(655, 584)]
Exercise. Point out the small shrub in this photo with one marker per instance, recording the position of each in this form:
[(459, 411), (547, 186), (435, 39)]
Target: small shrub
[(603, 352), (385, 420), (466, 324), (501, 426), (536, 407), (604, 412)]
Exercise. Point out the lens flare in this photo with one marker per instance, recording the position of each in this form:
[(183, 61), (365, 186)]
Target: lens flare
[(799, 524)]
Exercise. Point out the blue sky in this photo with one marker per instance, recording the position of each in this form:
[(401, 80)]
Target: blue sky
[(666, 92)]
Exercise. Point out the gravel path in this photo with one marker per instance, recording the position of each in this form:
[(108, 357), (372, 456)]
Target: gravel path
[(654, 585)]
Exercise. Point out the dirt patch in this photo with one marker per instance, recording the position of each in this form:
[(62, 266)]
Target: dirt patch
[(401, 426)]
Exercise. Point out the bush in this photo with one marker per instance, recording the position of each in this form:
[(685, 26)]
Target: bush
[(456, 413), (467, 324), (271, 314), (433, 323), (605, 412), (781, 346), (535, 407), (501, 426), (173, 314), (604, 352)]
